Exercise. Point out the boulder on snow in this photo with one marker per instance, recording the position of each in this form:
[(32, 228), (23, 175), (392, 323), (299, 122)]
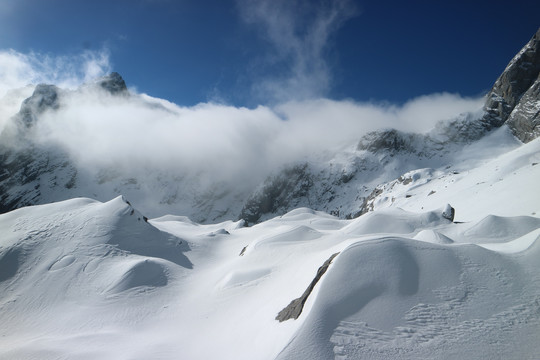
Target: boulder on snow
[(449, 212)]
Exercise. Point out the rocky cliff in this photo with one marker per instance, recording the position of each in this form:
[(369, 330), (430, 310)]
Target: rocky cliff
[(515, 97)]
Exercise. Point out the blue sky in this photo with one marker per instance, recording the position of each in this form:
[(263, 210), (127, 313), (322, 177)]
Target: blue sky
[(248, 52)]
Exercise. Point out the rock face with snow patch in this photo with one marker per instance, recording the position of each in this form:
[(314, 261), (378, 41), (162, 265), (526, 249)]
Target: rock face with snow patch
[(113, 83), (515, 95), (45, 97), (524, 121), (278, 193)]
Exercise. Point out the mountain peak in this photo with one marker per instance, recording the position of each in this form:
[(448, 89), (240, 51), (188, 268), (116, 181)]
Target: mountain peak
[(113, 83), (518, 77), (44, 97)]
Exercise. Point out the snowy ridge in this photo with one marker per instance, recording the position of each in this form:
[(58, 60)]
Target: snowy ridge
[(84, 279)]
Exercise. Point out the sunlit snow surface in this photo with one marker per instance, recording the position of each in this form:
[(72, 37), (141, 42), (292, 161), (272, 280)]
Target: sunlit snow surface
[(81, 279)]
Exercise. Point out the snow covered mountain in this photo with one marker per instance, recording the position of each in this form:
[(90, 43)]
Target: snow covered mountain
[(81, 279), (341, 181), (399, 245)]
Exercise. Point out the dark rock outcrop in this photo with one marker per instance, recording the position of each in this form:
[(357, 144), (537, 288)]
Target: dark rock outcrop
[(390, 141), (506, 95), (449, 212), (524, 121), (278, 192), (294, 309), (45, 97), (113, 83)]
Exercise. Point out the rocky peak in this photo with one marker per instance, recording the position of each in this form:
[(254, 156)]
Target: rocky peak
[(524, 121), (520, 74), (44, 97), (113, 83)]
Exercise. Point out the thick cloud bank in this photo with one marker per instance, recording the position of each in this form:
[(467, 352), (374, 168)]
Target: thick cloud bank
[(142, 132), (20, 72)]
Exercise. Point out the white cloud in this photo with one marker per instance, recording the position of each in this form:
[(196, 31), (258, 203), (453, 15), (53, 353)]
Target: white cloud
[(69, 71), (20, 72), (226, 143), (141, 134), (299, 33)]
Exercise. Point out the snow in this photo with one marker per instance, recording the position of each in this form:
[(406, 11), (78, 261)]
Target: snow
[(82, 279)]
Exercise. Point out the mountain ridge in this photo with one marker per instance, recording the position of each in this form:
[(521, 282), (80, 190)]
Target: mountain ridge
[(33, 173)]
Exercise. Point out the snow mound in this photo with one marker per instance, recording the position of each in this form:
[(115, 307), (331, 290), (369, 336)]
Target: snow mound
[(433, 236), (395, 221), (242, 277), (141, 273), (84, 279), (494, 229), (297, 234), (399, 296)]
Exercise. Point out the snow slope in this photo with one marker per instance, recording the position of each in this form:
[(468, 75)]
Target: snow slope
[(81, 279)]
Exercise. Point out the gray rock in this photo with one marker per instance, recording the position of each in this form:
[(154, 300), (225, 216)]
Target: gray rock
[(278, 193), (517, 78), (294, 309), (449, 212), (113, 83), (390, 141), (45, 97), (524, 121)]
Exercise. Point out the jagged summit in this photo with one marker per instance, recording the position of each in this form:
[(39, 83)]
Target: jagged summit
[(44, 97), (113, 83), (517, 90), (47, 97)]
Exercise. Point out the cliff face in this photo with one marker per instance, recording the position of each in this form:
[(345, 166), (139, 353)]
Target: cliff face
[(524, 121), (515, 97)]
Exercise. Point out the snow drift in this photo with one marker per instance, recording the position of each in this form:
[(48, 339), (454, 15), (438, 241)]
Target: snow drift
[(84, 279)]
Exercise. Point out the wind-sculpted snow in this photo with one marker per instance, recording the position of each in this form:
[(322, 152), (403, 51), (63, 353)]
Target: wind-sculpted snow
[(388, 245), (84, 279)]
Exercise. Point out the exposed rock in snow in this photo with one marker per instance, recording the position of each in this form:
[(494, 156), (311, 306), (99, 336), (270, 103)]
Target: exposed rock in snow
[(524, 121), (518, 77), (45, 97), (294, 309), (449, 212), (278, 193)]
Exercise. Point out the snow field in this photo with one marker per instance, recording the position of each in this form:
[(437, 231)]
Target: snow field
[(83, 279)]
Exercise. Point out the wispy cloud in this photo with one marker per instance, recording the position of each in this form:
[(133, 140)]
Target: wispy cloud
[(299, 33), (69, 71), (19, 72)]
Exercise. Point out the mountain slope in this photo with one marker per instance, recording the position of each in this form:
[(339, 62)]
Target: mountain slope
[(339, 181), (513, 102), (84, 279), (427, 245)]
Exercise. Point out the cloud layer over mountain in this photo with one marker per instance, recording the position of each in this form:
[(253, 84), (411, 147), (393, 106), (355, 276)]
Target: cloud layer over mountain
[(140, 131)]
